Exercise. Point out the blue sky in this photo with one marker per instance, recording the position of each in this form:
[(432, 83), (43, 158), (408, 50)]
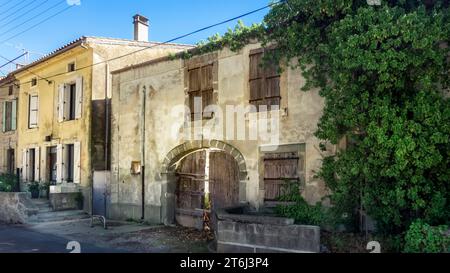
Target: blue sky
[(113, 18)]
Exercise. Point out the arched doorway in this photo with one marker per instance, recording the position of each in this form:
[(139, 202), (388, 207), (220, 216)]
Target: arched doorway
[(204, 178)]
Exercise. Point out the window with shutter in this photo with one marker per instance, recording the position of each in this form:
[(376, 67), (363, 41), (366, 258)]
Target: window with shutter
[(264, 82), (33, 111), (279, 170), (201, 89), (70, 100), (9, 115)]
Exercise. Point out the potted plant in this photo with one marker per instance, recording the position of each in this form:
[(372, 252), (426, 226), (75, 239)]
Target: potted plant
[(34, 188), (45, 190), (79, 198)]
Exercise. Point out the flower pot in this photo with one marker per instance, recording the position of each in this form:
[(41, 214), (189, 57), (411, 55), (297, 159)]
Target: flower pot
[(35, 194)]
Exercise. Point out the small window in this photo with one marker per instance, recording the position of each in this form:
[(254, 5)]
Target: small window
[(33, 111), (71, 67), (10, 90), (33, 81)]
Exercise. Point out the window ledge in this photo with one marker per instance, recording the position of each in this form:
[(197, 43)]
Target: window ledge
[(282, 113)]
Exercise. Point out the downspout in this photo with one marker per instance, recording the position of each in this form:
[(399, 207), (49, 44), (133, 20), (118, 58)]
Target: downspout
[(144, 103), (107, 121)]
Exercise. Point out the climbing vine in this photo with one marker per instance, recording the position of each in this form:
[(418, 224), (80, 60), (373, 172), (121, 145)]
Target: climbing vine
[(383, 72)]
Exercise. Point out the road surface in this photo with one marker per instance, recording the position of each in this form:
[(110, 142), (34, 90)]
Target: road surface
[(20, 239)]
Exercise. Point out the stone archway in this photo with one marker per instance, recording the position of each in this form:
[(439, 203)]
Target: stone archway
[(176, 157)]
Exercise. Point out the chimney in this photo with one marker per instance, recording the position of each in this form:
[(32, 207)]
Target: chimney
[(140, 28)]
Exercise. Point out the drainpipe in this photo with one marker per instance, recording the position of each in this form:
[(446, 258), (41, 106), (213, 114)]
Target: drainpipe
[(107, 120), (144, 93)]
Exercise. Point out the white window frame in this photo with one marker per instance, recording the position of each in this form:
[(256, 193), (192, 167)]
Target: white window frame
[(64, 100), (30, 110)]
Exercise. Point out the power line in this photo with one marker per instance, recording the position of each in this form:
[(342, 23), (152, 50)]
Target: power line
[(30, 19), (6, 3), (21, 14), (166, 42), (6, 11), (13, 60), (40, 23), (39, 77), (18, 10)]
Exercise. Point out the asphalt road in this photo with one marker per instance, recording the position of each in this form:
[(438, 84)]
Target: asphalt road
[(19, 239)]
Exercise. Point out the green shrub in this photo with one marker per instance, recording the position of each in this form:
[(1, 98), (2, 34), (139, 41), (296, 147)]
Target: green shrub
[(302, 212), (423, 238), (7, 183)]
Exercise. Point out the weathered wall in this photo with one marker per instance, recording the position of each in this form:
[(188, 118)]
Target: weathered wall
[(240, 233), (165, 129), (15, 208), (8, 140)]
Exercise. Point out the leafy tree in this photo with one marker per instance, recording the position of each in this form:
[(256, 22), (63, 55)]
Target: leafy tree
[(384, 74)]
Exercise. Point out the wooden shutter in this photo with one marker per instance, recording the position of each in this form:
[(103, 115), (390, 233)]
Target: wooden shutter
[(194, 92), (24, 165), (207, 89), (201, 86), (33, 111), (61, 102), (264, 82), (79, 98), (279, 168), (4, 117), (59, 164), (14, 115), (77, 162), (257, 92), (37, 165)]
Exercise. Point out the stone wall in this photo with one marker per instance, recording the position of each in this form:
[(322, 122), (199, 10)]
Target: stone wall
[(63, 201), (263, 234), (15, 208)]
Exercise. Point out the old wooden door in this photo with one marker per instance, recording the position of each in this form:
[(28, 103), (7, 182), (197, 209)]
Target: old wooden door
[(190, 186), (224, 180)]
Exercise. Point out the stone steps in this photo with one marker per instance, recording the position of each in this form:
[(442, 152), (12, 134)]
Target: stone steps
[(58, 216), (46, 214)]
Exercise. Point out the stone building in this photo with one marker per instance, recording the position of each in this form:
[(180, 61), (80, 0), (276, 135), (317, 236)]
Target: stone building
[(64, 109), (181, 145), (9, 93)]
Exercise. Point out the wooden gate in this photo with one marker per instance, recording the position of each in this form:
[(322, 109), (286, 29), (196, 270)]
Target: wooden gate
[(222, 183), (224, 177), (190, 187)]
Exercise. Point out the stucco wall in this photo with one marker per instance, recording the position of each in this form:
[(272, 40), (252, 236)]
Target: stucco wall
[(8, 140), (165, 129)]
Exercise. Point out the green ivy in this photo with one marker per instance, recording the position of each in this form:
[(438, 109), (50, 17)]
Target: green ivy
[(423, 238), (382, 71)]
